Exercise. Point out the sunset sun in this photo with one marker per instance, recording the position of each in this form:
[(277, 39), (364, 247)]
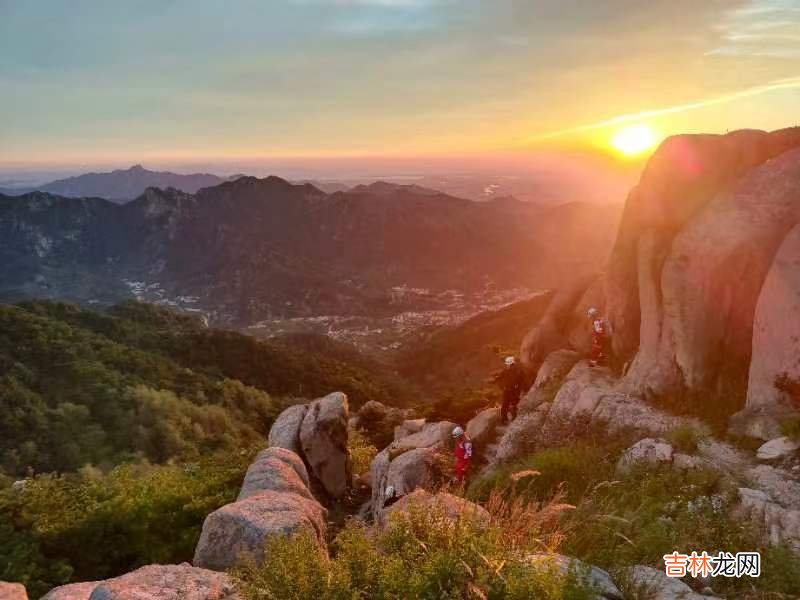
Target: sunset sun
[(634, 139)]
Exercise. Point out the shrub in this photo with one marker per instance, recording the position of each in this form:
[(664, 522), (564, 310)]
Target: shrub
[(790, 427), (361, 451), (420, 555), (92, 526), (684, 439)]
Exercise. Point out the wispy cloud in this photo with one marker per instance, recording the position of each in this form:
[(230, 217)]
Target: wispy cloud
[(765, 28), (781, 84)]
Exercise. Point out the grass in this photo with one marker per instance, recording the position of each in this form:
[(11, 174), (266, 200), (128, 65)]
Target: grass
[(790, 427), (362, 452), (423, 555), (684, 439), (636, 519)]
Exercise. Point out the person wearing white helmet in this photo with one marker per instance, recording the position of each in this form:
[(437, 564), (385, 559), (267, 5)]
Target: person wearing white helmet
[(463, 452), (512, 383), (599, 337), (390, 496)]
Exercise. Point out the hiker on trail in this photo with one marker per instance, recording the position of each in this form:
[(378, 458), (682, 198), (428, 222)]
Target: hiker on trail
[(599, 338), (512, 383), (463, 454)]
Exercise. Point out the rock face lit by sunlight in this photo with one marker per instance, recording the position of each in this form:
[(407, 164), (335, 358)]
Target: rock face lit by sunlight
[(634, 140)]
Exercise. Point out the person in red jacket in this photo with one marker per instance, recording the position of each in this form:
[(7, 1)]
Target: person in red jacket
[(599, 338), (463, 454)]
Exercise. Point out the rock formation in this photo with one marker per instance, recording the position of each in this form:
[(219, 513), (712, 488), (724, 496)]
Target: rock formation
[(239, 531), (323, 440), (12, 591), (416, 469), (154, 582)]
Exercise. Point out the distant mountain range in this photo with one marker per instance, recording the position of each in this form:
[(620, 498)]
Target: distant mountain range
[(122, 185), (254, 249)]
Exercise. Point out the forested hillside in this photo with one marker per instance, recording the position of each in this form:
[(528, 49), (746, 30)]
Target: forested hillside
[(80, 387)]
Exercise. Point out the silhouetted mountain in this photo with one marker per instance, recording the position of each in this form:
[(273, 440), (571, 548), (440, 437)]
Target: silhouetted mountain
[(122, 185), (255, 249)]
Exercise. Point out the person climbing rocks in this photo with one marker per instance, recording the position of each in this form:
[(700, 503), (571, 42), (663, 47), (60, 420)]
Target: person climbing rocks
[(599, 338), (512, 383), (463, 454)]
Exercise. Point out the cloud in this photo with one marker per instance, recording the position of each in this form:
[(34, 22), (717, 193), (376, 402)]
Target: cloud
[(761, 28), (780, 84)]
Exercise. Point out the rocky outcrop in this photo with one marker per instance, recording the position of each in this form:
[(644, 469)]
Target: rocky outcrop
[(167, 582), (683, 177), (323, 440), (276, 470), (697, 321), (655, 585), (239, 531), (285, 431), (275, 500), (593, 578), (12, 591), (774, 378), (450, 507), (73, 591)]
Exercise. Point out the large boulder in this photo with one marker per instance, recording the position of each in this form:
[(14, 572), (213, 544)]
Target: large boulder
[(776, 332), (167, 582), (240, 530), (582, 391), (73, 591), (285, 431), (278, 470), (432, 436), (414, 469), (593, 578), (777, 449), (685, 175), (12, 591), (647, 451), (323, 440), (450, 507), (656, 585), (482, 428)]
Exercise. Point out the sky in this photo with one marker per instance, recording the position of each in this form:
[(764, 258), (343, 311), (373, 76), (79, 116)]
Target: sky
[(94, 82)]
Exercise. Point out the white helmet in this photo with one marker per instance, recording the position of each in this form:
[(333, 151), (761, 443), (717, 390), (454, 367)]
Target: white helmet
[(592, 312), (458, 432), (509, 361), (389, 492)]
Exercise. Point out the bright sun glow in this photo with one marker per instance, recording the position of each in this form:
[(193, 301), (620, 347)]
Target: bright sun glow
[(634, 139)]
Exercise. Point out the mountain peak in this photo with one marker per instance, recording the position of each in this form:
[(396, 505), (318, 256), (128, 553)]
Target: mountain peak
[(137, 169)]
